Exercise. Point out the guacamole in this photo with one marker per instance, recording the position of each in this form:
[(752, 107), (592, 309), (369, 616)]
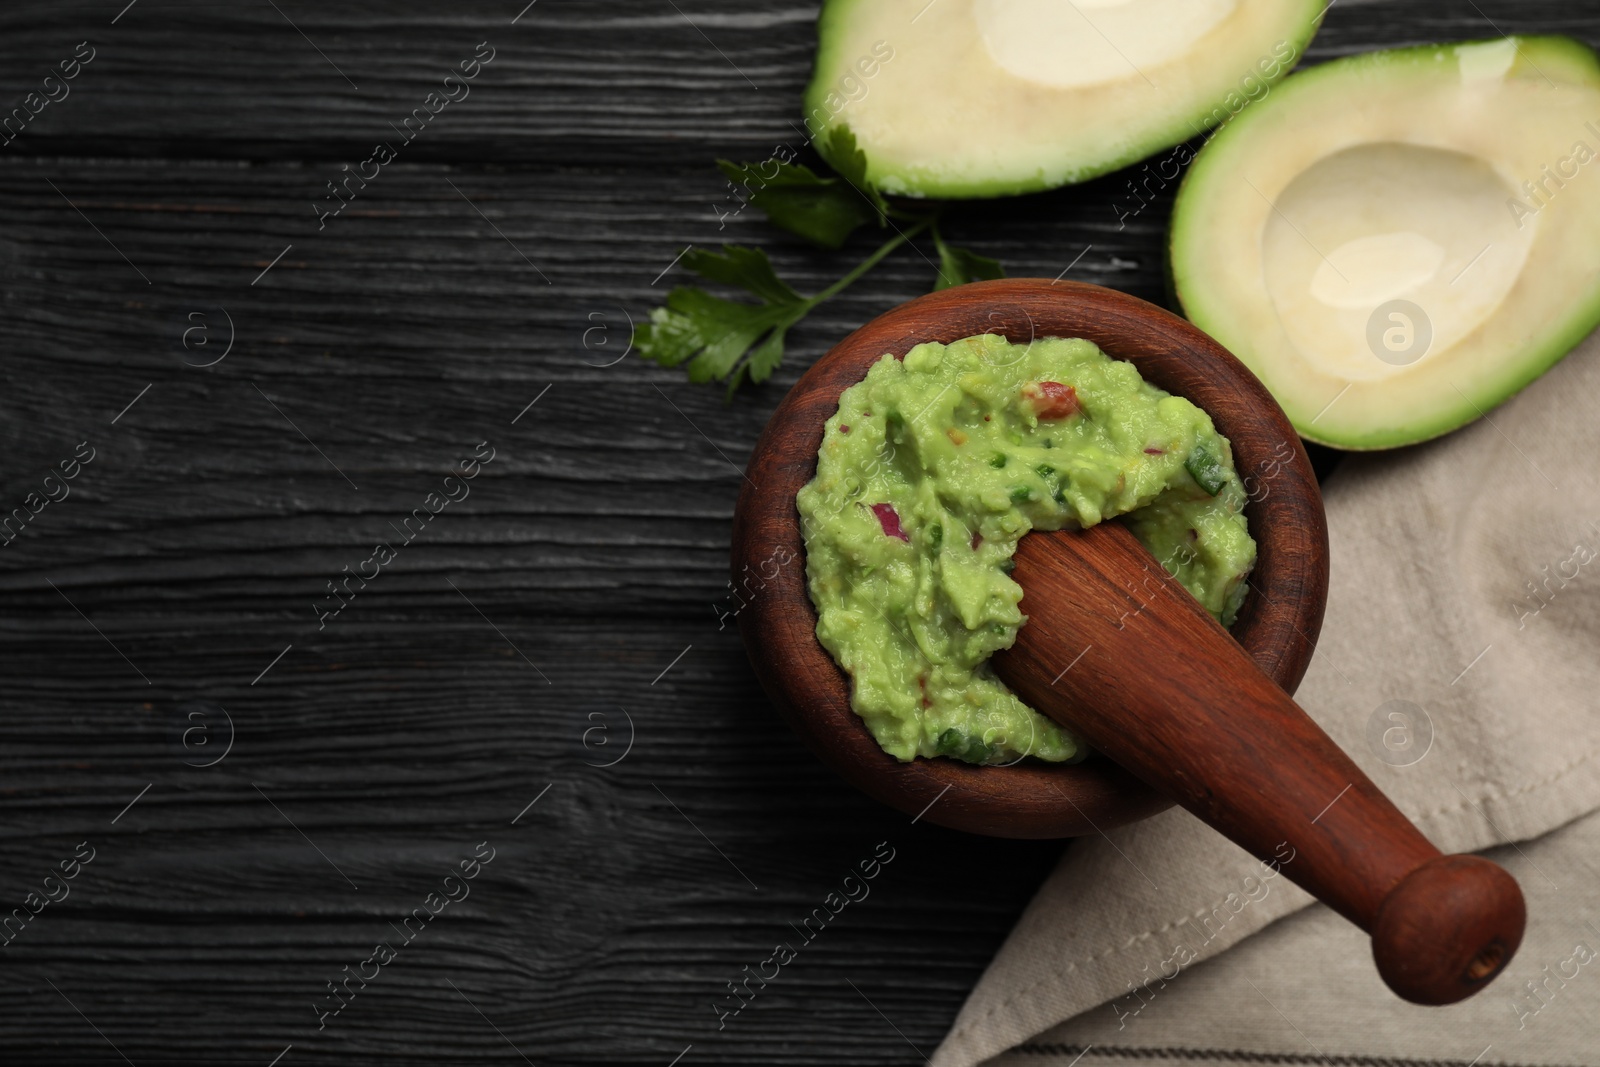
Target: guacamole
[(929, 474)]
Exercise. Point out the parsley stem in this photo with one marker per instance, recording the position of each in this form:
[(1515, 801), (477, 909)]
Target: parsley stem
[(944, 254), (873, 260)]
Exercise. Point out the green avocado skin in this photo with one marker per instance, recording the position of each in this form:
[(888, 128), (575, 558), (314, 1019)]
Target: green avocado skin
[(836, 50), (1552, 56)]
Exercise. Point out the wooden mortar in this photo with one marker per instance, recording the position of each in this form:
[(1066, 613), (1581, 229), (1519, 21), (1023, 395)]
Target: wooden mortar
[(1120, 653)]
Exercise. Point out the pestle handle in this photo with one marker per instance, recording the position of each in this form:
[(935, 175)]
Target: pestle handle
[(1116, 650)]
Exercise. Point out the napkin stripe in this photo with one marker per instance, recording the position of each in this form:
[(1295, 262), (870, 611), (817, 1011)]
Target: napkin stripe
[(1217, 1055)]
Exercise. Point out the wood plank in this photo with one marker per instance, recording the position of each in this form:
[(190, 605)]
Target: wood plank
[(396, 342), (602, 930), (197, 146), (592, 81), (205, 529)]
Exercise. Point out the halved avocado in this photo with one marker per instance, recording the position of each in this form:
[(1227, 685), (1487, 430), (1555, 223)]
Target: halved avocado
[(1398, 241), (977, 98)]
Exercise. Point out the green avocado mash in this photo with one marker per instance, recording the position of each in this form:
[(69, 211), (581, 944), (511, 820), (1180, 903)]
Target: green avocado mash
[(932, 470)]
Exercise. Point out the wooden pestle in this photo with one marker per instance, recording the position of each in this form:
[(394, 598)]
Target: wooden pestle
[(1120, 653)]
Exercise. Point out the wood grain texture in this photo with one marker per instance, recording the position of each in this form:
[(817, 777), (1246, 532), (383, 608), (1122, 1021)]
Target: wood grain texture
[(1277, 624), (397, 338), (1161, 688), (574, 82)]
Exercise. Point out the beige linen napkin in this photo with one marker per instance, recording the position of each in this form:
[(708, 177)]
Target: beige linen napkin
[(1457, 665), (1305, 988)]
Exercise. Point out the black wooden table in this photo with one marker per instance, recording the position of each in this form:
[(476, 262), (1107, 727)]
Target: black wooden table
[(271, 789)]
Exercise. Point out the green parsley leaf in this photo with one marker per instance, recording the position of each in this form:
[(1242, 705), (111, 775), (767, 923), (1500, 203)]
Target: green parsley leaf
[(719, 339), (840, 150), (825, 211), (733, 341), (958, 266), (747, 268)]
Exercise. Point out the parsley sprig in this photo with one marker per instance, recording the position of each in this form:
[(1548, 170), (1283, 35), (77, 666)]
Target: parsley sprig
[(735, 341)]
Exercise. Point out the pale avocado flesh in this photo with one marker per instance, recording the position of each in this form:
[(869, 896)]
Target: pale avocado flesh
[(1399, 241), (980, 98)]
